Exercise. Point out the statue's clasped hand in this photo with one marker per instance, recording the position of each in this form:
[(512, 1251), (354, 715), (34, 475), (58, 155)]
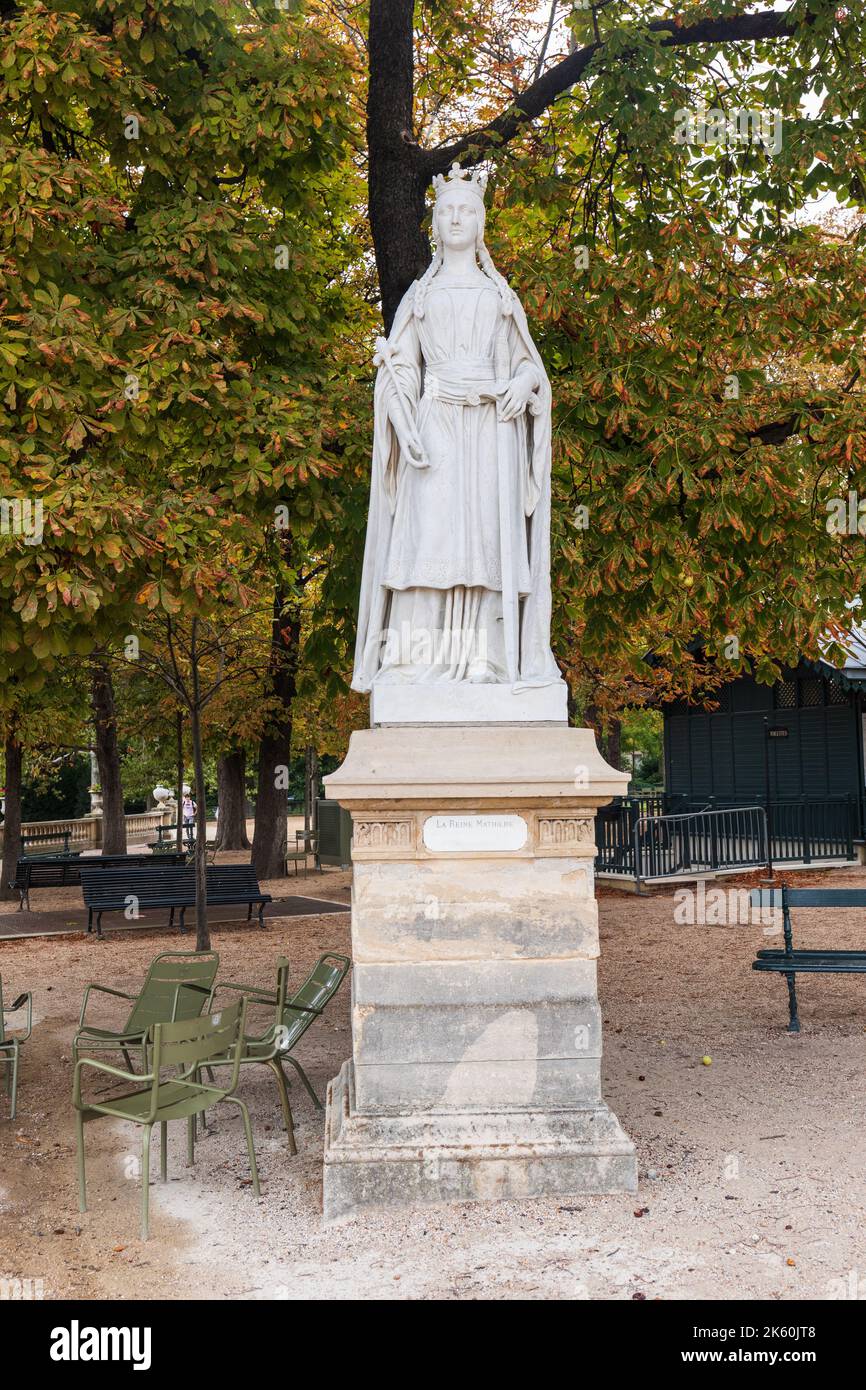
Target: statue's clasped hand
[(413, 450), (515, 397)]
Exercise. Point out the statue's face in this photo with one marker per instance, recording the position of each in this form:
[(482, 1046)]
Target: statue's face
[(456, 219)]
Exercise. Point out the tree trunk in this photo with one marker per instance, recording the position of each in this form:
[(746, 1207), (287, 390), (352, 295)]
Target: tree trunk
[(178, 731), (613, 743), (231, 783), (202, 932), (396, 178), (108, 760), (12, 818), (272, 805)]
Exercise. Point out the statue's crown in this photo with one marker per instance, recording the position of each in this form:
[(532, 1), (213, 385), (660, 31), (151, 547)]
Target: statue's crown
[(475, 183)]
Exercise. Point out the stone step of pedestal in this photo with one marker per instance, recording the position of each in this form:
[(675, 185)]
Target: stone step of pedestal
[(399, 1160)]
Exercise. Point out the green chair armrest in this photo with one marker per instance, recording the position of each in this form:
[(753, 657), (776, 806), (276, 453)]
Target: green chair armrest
[(103, 1067), (103, 989), (267, 996), (266, 1039), (26, 998)]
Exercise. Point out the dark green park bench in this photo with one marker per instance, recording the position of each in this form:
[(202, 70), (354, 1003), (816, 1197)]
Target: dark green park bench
[(157, 884), (63, 871), (791, 962), (166, 835)]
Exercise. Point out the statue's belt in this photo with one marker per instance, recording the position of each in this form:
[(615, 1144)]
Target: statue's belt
[(462, 382)]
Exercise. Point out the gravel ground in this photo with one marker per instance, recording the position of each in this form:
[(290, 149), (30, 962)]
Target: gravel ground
[(751, 1168)]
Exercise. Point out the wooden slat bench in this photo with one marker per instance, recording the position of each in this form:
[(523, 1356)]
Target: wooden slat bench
[(157, 884), (791, 962), (63, 871)]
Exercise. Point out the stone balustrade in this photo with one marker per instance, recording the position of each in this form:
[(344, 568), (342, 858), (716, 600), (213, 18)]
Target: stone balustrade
[(85, 832)]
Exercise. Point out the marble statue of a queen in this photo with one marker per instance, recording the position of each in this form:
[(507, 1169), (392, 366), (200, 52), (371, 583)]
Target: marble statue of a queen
[(456, 579)]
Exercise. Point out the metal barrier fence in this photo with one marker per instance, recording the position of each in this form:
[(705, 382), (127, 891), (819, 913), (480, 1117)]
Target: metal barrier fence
[(639, 840), (699, 842)]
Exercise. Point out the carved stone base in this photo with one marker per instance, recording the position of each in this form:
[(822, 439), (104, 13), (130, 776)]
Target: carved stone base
[(476, 1029), (400, 1160)]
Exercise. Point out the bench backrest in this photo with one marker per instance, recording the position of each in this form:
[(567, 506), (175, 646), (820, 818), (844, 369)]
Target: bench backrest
[(808, 897), (161, 880), (232, 876), (56, 871), (47, 873), (138, 880)]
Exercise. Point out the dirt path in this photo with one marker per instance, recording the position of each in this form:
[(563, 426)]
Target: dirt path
[(751, 1168)]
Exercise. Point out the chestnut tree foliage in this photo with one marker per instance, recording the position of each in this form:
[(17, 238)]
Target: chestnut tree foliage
[(179, 232), (207, 203)]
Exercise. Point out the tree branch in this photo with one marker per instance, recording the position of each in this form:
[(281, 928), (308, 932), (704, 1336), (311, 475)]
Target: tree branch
[(540, 94)]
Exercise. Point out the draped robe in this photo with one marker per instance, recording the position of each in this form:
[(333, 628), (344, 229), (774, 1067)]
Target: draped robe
[(431, 594)]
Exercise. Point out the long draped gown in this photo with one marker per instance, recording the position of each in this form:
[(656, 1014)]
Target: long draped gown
[(431, 605)]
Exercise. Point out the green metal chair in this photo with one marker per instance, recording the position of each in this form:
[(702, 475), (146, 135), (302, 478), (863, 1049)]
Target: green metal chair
[(292, 1018), (10, 1048), (177, 987), (186, 1046)]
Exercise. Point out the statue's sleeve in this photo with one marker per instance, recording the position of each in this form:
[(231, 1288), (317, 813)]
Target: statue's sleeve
[(403, 378), (406, 351), (536, 422), (523, 360)]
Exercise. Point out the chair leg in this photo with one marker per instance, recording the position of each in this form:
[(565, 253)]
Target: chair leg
[(14, 1089), (82, 1180), (163, 1151), (145, 1181), (233, 1100), (303, 1075), (127, 1059), (190, 1139), (284, 1101)]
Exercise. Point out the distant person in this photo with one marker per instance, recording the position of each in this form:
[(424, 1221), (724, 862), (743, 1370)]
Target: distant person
[(188, 811)]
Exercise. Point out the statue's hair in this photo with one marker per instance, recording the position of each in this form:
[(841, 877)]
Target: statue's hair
[(503, 289), (424, 283)]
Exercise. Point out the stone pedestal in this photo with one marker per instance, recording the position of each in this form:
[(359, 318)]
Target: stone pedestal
[(476, 1030)]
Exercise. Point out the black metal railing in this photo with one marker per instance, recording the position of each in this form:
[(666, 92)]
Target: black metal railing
[(699, 842), (614, 836), (813, 828), (661, 836)]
